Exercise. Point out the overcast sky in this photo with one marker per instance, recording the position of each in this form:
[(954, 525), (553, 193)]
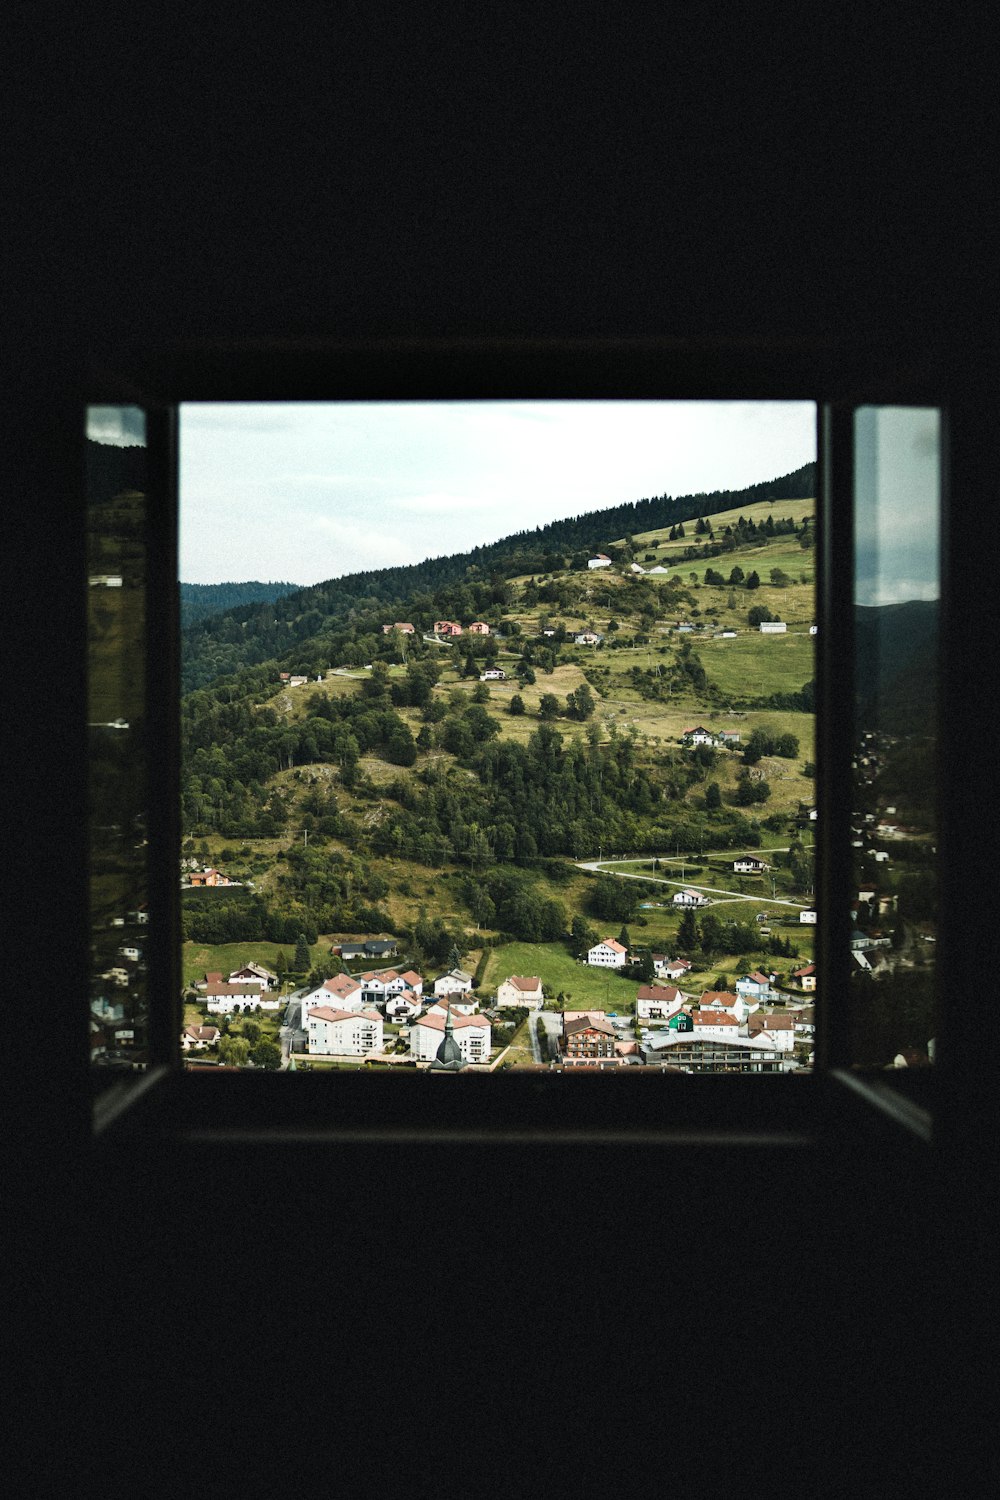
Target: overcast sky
[(897, 487), (309, 491)]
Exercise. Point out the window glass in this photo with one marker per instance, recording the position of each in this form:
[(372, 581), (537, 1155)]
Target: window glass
[(116, 566), (894, 829)]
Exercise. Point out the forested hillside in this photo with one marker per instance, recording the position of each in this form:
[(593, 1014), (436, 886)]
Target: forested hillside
[(199, 600), (400, 789), (253, 633)]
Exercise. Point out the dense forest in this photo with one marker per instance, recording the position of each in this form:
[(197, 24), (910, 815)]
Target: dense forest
[(199, 600)]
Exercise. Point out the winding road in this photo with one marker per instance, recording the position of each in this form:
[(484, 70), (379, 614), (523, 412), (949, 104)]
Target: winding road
[(606, 867)]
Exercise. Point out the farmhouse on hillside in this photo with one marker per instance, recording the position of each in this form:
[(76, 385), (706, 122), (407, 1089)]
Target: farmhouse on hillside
[(254, 974), (609, 954), (479, 627), (455, 982), (748, 864), (670, 968), (447, 628), (521, 990), (690, 898), (698, 736), (600, 561), (773, 627)]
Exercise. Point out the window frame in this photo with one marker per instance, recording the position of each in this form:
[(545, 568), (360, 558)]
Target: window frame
[(826, 1105)]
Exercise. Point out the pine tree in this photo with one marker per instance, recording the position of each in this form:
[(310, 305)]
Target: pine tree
[(687, 932), (301, 960)]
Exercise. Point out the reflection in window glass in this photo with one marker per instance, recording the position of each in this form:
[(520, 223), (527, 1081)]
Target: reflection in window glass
[(116, 565), (897, 514)]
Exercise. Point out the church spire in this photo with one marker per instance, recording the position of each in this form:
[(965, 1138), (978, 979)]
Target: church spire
[(448, 1057)]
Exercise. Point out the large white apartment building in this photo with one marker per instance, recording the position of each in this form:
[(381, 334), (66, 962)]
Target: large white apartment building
[(343, 1033)]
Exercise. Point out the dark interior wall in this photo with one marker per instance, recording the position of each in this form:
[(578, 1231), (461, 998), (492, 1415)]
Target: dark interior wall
[(500, 177)]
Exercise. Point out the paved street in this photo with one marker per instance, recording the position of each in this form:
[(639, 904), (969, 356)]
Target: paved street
[(606, 867)]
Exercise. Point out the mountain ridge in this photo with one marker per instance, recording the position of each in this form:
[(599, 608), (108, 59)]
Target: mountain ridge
[(248, 634)]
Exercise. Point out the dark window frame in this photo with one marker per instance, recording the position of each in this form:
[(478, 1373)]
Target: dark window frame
[(834, 1102)]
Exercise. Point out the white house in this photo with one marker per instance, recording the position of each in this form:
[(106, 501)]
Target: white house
[(806, 977), (729, 736), (756, 986), (715, 1023), (808, 917), (698, 736), (609, 954), (773, 627), (748, 865), (812, 629), (343, 1033), (413, 981), (493, 674), (729, 635), (199, 1037), (588, 638), (455, 982), (655, 1002), (690, 898), (781, 1028), (402, 1006), (459, 1005), (342, 992), (472, 1033), (223, 999), (636, 567), (670, 968), (254, 974), (521, 990), (379, 984), (600, 561), (724, 1000)]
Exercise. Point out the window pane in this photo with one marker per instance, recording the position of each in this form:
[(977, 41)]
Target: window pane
[(116, 565), (516, 721), (897, 521)]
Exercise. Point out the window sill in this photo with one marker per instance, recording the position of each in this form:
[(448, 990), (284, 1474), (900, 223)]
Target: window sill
[(843, 1110)]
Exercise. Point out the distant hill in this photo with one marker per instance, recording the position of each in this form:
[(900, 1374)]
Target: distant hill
[(896, 650), (200, 600), (113, 469), (247, 634)]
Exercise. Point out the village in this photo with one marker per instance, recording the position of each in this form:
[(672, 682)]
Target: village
[(386, 1017)]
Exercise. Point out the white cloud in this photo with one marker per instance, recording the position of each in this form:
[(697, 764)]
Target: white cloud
[(398, 482)]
